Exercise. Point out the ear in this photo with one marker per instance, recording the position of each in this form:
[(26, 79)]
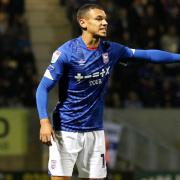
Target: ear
[(82, 23)]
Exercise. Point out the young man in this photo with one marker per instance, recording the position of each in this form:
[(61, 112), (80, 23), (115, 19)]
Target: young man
[(82, 67)]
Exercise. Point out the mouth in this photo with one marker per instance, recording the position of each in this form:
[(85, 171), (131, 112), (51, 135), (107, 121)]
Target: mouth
[(103, 29)]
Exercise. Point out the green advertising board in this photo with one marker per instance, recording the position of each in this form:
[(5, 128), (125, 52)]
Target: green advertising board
[(45, 176), (157, 176), (13, 131)]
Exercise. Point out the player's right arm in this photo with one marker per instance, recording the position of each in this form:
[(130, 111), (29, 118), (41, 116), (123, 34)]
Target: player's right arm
[(46, 130), (51, 76)]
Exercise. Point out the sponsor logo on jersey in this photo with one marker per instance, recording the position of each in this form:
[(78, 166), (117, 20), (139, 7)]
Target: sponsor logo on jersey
[(55, 56), (105, 57), (102, 73)]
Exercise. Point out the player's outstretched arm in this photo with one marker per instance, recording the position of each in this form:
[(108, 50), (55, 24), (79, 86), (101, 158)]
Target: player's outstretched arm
[(156, 56)]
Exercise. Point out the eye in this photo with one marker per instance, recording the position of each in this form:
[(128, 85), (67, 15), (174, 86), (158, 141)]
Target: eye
[(99, 18)]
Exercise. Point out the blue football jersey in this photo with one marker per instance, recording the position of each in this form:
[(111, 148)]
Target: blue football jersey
[(83, 76)]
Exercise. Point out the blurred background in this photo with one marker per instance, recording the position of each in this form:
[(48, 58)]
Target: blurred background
[(142, 105)]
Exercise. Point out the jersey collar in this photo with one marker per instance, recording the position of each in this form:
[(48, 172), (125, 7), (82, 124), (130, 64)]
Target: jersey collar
[(84, 45)]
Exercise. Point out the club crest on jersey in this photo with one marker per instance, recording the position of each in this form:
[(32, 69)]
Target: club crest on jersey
[(53, 164), (55, 56), (105, 58)]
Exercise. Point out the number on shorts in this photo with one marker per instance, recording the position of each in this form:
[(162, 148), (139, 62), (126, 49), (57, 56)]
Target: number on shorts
[(103, 160)]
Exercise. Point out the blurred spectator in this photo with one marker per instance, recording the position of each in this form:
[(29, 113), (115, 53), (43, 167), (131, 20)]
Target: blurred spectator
[(170, 40), (17, 62), (132, 101), (177, 91), (167, 94), (113, 100), (149, 93)]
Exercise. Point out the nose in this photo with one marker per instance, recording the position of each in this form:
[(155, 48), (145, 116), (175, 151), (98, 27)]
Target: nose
[(104, 22)]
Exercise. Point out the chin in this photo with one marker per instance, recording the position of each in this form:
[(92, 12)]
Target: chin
[(103, 35), (100, 35)]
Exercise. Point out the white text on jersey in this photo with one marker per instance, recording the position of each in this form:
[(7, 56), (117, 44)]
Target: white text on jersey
[(102, 73)]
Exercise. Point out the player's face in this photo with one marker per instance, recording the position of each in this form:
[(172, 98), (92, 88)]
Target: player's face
[(95, 23)]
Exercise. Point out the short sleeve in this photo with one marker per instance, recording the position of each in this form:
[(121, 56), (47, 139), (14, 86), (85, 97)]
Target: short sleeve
[(121, 52)]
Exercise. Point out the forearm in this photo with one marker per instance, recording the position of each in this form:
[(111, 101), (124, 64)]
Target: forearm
[(42, 101), (156, 56)]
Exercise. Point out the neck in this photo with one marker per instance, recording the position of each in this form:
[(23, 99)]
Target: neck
[(91, 42)]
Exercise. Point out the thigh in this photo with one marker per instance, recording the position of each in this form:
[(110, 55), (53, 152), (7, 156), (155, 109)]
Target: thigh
[(91, 160), (62, 155)]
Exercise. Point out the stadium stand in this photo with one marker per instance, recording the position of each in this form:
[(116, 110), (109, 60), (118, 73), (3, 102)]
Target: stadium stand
[(141, 24), (17, 62)]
